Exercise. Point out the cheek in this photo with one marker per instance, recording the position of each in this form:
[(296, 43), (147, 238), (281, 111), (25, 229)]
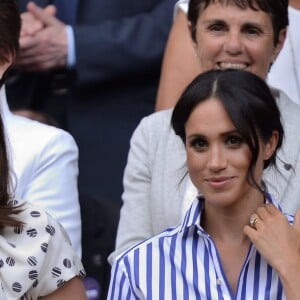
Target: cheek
[(192, 162), (206, 53), (263, 58), (206, 50), (196, 164), (241, 161)]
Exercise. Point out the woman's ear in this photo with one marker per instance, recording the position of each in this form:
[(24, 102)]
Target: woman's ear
[(280, 43), (271, 145)]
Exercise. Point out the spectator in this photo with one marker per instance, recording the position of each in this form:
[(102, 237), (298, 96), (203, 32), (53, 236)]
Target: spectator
[(98, 83), (181, 65), (36, 256), (157, 160), (43, 158), (234, 242)]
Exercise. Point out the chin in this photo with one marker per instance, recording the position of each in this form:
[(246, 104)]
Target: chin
[(220, 200)]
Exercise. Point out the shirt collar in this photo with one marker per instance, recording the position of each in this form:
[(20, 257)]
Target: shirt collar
[(193, 214)]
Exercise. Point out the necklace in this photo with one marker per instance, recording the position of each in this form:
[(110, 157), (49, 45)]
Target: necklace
[(294, 65)]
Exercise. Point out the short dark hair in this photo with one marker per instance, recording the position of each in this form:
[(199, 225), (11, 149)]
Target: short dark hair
[(248, 102), (10, 26), (276, 9)]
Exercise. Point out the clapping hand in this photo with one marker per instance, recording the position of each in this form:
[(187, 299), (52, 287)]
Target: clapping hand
[(43, 40)]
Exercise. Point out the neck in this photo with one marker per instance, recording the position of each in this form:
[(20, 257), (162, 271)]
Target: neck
[(227, 224), (295, 4)]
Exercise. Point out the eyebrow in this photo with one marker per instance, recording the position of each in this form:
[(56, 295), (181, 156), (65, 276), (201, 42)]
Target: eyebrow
[(248, 23), (223, 134)]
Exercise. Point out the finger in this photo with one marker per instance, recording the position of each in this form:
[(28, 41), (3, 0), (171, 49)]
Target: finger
[(26, 42), (272, 209), (51, 10), (31, 28), (37, 63), (41, 14), (30, 25), (263, 213)]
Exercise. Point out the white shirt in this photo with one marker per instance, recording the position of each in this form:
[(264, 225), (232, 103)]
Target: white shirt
[(181, 4), (44, 162), (285, 72)]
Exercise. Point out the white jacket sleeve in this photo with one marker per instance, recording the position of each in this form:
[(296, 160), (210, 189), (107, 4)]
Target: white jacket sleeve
[(54, 185), (45, 163), (135, 217)]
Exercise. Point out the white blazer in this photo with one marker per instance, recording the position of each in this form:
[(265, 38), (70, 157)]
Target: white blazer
[(44, 167), (155, 183)]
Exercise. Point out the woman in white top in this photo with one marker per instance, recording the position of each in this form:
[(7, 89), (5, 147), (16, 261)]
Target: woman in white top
[(36, 257), (180, 64), (44, 159)]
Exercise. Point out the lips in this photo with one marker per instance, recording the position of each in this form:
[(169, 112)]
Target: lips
[(231, 65), (219, 182)]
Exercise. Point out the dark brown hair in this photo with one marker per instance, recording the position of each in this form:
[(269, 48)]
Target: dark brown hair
[(10, 25), (7, 208)]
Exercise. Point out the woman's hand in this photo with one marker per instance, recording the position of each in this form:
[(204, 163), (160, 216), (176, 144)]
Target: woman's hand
[(279, 243)]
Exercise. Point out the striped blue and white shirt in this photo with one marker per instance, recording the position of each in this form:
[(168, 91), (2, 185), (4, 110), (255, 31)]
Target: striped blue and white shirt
[(183, 263)]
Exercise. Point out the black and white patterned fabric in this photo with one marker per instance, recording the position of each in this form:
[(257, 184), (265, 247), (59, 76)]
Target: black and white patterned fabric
[(36, 259)]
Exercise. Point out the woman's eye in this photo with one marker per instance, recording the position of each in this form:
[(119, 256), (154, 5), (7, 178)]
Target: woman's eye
[(234, 141), (252, 30), (216, 27), (198, 144)]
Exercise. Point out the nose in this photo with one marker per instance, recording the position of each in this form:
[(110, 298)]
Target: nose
[(233, 43), (216, 159)]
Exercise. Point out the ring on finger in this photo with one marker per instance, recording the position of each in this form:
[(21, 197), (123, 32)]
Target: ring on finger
[(253, 220)]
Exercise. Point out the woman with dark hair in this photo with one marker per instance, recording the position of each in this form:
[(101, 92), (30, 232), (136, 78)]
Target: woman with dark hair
[(180, 65), (239, 34), (44, 159), (234, 242), (36, 256)]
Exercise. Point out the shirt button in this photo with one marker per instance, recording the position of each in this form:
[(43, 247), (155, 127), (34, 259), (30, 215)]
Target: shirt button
[(219, 281)]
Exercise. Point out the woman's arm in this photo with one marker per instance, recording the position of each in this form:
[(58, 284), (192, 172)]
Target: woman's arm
[(180, 65), (72, 289)]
